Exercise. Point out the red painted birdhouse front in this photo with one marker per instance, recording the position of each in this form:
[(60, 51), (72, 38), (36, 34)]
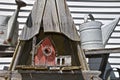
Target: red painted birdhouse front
[(45, 53)]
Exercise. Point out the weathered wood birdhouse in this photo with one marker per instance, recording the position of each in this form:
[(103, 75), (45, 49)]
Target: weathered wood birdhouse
[(50, 33), (48, 46)]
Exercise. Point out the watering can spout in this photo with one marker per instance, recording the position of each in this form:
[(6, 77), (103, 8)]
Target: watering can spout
[(12, 32), (107, 30)]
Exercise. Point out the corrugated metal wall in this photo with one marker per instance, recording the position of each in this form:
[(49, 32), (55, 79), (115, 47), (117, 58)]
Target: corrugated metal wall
[(103, 11)]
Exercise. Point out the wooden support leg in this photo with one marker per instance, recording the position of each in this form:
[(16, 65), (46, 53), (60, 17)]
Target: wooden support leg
[(103, 64), (82, 58)]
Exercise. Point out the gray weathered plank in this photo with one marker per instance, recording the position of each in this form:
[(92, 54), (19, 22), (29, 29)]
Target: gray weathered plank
[(34, 20), (65, 19), (50, 18)]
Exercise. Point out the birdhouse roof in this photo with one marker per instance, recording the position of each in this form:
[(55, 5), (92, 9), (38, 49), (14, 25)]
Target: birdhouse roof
[(53, 16)]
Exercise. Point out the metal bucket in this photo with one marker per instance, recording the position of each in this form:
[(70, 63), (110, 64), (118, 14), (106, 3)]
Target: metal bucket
[(91, 34)]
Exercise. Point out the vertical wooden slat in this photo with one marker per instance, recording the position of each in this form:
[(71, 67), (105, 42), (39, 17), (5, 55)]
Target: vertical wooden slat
[(33, 23), (65, 19), (71, 24), (62, 15), (50, 18)]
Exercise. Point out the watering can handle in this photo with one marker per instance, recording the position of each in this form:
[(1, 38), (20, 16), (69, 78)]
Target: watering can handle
[(86, 17)]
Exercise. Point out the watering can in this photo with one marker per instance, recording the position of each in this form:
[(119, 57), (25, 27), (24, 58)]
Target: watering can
[(13, 25), (93, 34)]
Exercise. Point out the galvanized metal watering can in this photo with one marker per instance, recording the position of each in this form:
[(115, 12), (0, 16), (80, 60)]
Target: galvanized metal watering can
[(93, 34), (9, 26)]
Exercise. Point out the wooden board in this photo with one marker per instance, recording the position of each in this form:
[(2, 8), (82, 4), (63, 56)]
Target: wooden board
[(33, 23), (66, 22), (50, 18), (55, 16)]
